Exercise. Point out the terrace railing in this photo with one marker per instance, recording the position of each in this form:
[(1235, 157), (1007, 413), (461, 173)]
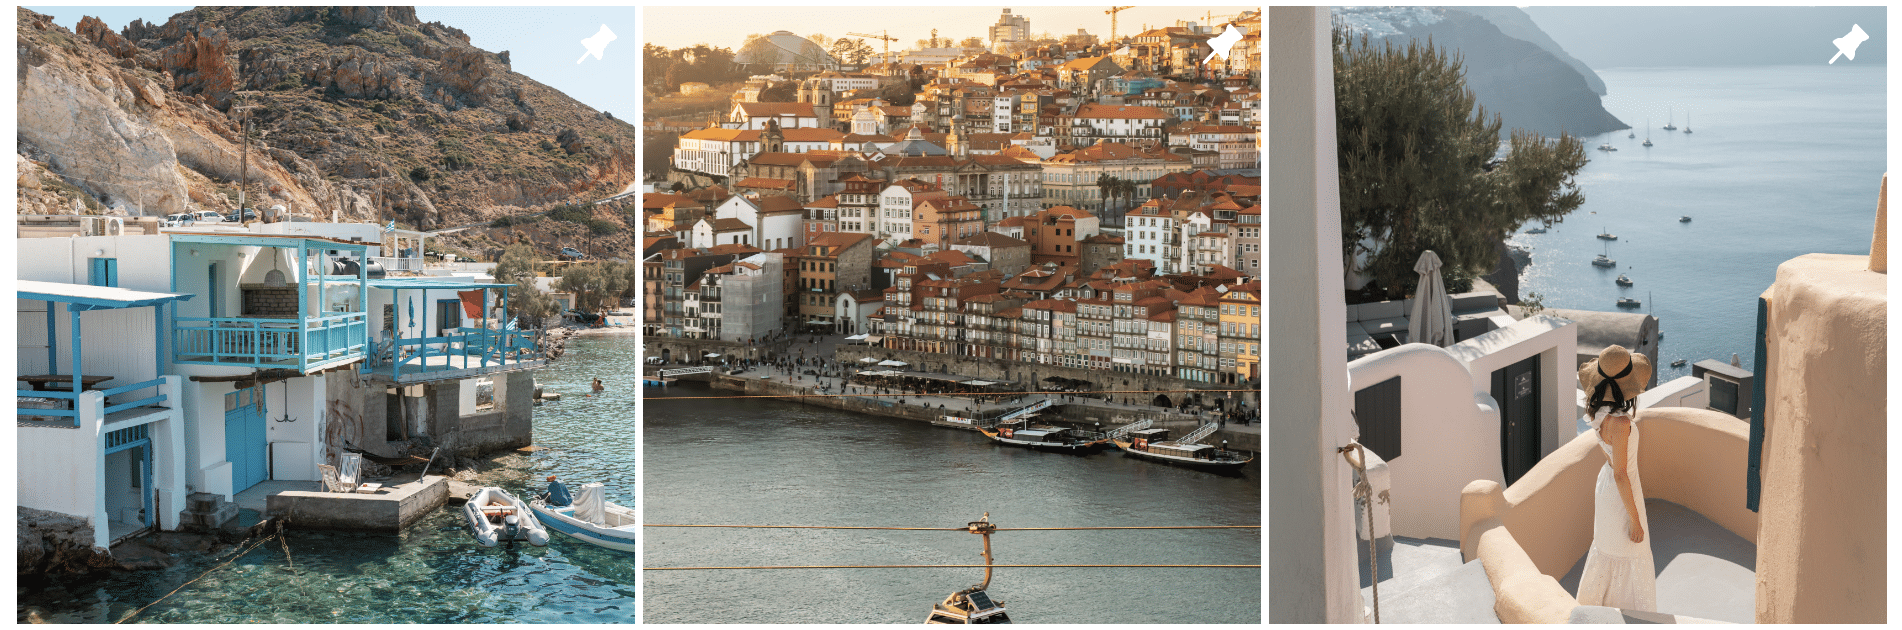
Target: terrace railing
[(477, 350), (58, 409), (301, 344)]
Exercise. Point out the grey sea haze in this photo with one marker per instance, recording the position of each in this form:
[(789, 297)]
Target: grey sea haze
[(747, 462), (1783, 161)]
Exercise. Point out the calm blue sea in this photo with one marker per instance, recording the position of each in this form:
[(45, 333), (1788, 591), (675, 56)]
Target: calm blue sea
[(1784, 161)]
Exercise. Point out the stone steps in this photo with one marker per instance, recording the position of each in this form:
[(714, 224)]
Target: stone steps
[(205, 511)]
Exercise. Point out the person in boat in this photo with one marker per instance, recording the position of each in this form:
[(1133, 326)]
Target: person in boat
[(557, 495)]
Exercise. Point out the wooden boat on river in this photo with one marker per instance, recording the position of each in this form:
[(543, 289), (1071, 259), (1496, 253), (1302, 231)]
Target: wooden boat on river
[(1052, 439), (1154, 444)]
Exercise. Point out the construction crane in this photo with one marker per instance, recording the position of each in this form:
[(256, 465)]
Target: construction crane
[(1112, 13), (882, 35)]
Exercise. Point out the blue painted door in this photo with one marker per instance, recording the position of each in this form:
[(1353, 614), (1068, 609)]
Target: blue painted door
[(244, 439)]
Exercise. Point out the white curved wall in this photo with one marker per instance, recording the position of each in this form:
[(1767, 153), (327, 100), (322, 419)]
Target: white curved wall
[(1449, 435)]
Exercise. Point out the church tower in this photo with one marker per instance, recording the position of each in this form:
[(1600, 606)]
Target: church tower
[(955, 141), (822, 104), (770, 139)]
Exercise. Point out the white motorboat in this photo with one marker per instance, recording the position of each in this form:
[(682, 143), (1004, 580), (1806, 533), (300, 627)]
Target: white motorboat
[(592, 519), (496, 517)]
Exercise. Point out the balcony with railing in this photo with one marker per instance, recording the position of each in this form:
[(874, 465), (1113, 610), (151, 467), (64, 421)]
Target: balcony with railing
[(460, 331), (308, 323)]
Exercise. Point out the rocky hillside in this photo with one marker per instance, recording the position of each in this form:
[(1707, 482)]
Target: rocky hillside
[(1527, 85), (365, 112)]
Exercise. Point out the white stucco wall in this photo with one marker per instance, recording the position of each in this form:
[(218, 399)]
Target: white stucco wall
[(1449, 435), (1555, 342)]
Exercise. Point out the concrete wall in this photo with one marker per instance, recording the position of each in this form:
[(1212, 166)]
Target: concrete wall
[(509, 426), (1823, 551), (1449, 435), (390, 512), (1310, 511)]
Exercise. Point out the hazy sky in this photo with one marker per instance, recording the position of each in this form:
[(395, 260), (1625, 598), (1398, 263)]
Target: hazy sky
[(1611, 37), (543, 43), (727, 27)]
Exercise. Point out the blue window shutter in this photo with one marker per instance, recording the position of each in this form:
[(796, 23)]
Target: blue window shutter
[(104, 272), (1759, 416)]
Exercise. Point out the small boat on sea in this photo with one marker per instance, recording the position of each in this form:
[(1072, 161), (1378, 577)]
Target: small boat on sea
[(1607, 236), (1052, 439), (1647, 132), (1628, 303), (1604, 259), (1684, 219), (1670, 127), (495, 517), (1623, 281), (1154, 445), (1678, 363), (1687, 123), (592, 519), (1536, 230)]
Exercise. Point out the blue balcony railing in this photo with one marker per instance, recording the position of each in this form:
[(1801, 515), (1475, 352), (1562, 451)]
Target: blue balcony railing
[(475, 350), (301, 344), (56, 408)]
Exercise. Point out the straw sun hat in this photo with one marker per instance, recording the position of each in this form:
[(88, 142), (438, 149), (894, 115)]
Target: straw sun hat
[(1616, 377)]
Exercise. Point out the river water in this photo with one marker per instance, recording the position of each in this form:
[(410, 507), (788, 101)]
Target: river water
[(1785, 161), (432, 572), (773, 463)]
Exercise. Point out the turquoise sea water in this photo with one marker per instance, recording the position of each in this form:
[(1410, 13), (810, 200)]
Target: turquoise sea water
[(432, 572), (1783, 161)]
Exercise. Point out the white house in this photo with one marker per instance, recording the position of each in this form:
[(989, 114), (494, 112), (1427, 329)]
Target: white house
[(1122, 122), (775, 220), (1149, 232)]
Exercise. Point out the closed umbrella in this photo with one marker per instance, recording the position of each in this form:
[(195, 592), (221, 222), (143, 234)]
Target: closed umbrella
[(1432, 317)]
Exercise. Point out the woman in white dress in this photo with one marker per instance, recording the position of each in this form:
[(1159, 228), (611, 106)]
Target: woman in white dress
[(1618, 569)]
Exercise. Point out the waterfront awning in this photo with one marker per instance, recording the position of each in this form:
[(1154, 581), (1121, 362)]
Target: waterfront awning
[(712, 354), (88, 297), (434, 282), (893, 363), (873, 339), (867, 360), (855, 337), (978, 383)]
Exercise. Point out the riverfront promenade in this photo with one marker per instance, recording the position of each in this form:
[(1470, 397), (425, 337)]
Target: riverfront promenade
[(814, 371)]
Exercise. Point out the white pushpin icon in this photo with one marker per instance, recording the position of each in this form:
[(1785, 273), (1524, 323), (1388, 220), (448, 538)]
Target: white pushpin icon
[(1846, 45), (1222, 44), (599, 43)]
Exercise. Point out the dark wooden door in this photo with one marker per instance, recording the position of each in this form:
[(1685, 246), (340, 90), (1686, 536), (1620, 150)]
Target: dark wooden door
[(1516, 389)]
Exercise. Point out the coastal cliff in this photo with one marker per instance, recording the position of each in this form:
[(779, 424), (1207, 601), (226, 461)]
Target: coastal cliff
[(1526, 84)]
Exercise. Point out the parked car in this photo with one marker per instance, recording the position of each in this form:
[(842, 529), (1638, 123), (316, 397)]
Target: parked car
[(187, 218), (249, 215), (570, 252)]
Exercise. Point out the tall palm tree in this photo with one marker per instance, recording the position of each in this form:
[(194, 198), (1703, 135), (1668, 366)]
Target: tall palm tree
[(1104, 185)]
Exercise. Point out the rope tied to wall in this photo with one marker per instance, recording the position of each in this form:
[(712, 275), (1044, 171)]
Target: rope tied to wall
[(1364, 490)]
